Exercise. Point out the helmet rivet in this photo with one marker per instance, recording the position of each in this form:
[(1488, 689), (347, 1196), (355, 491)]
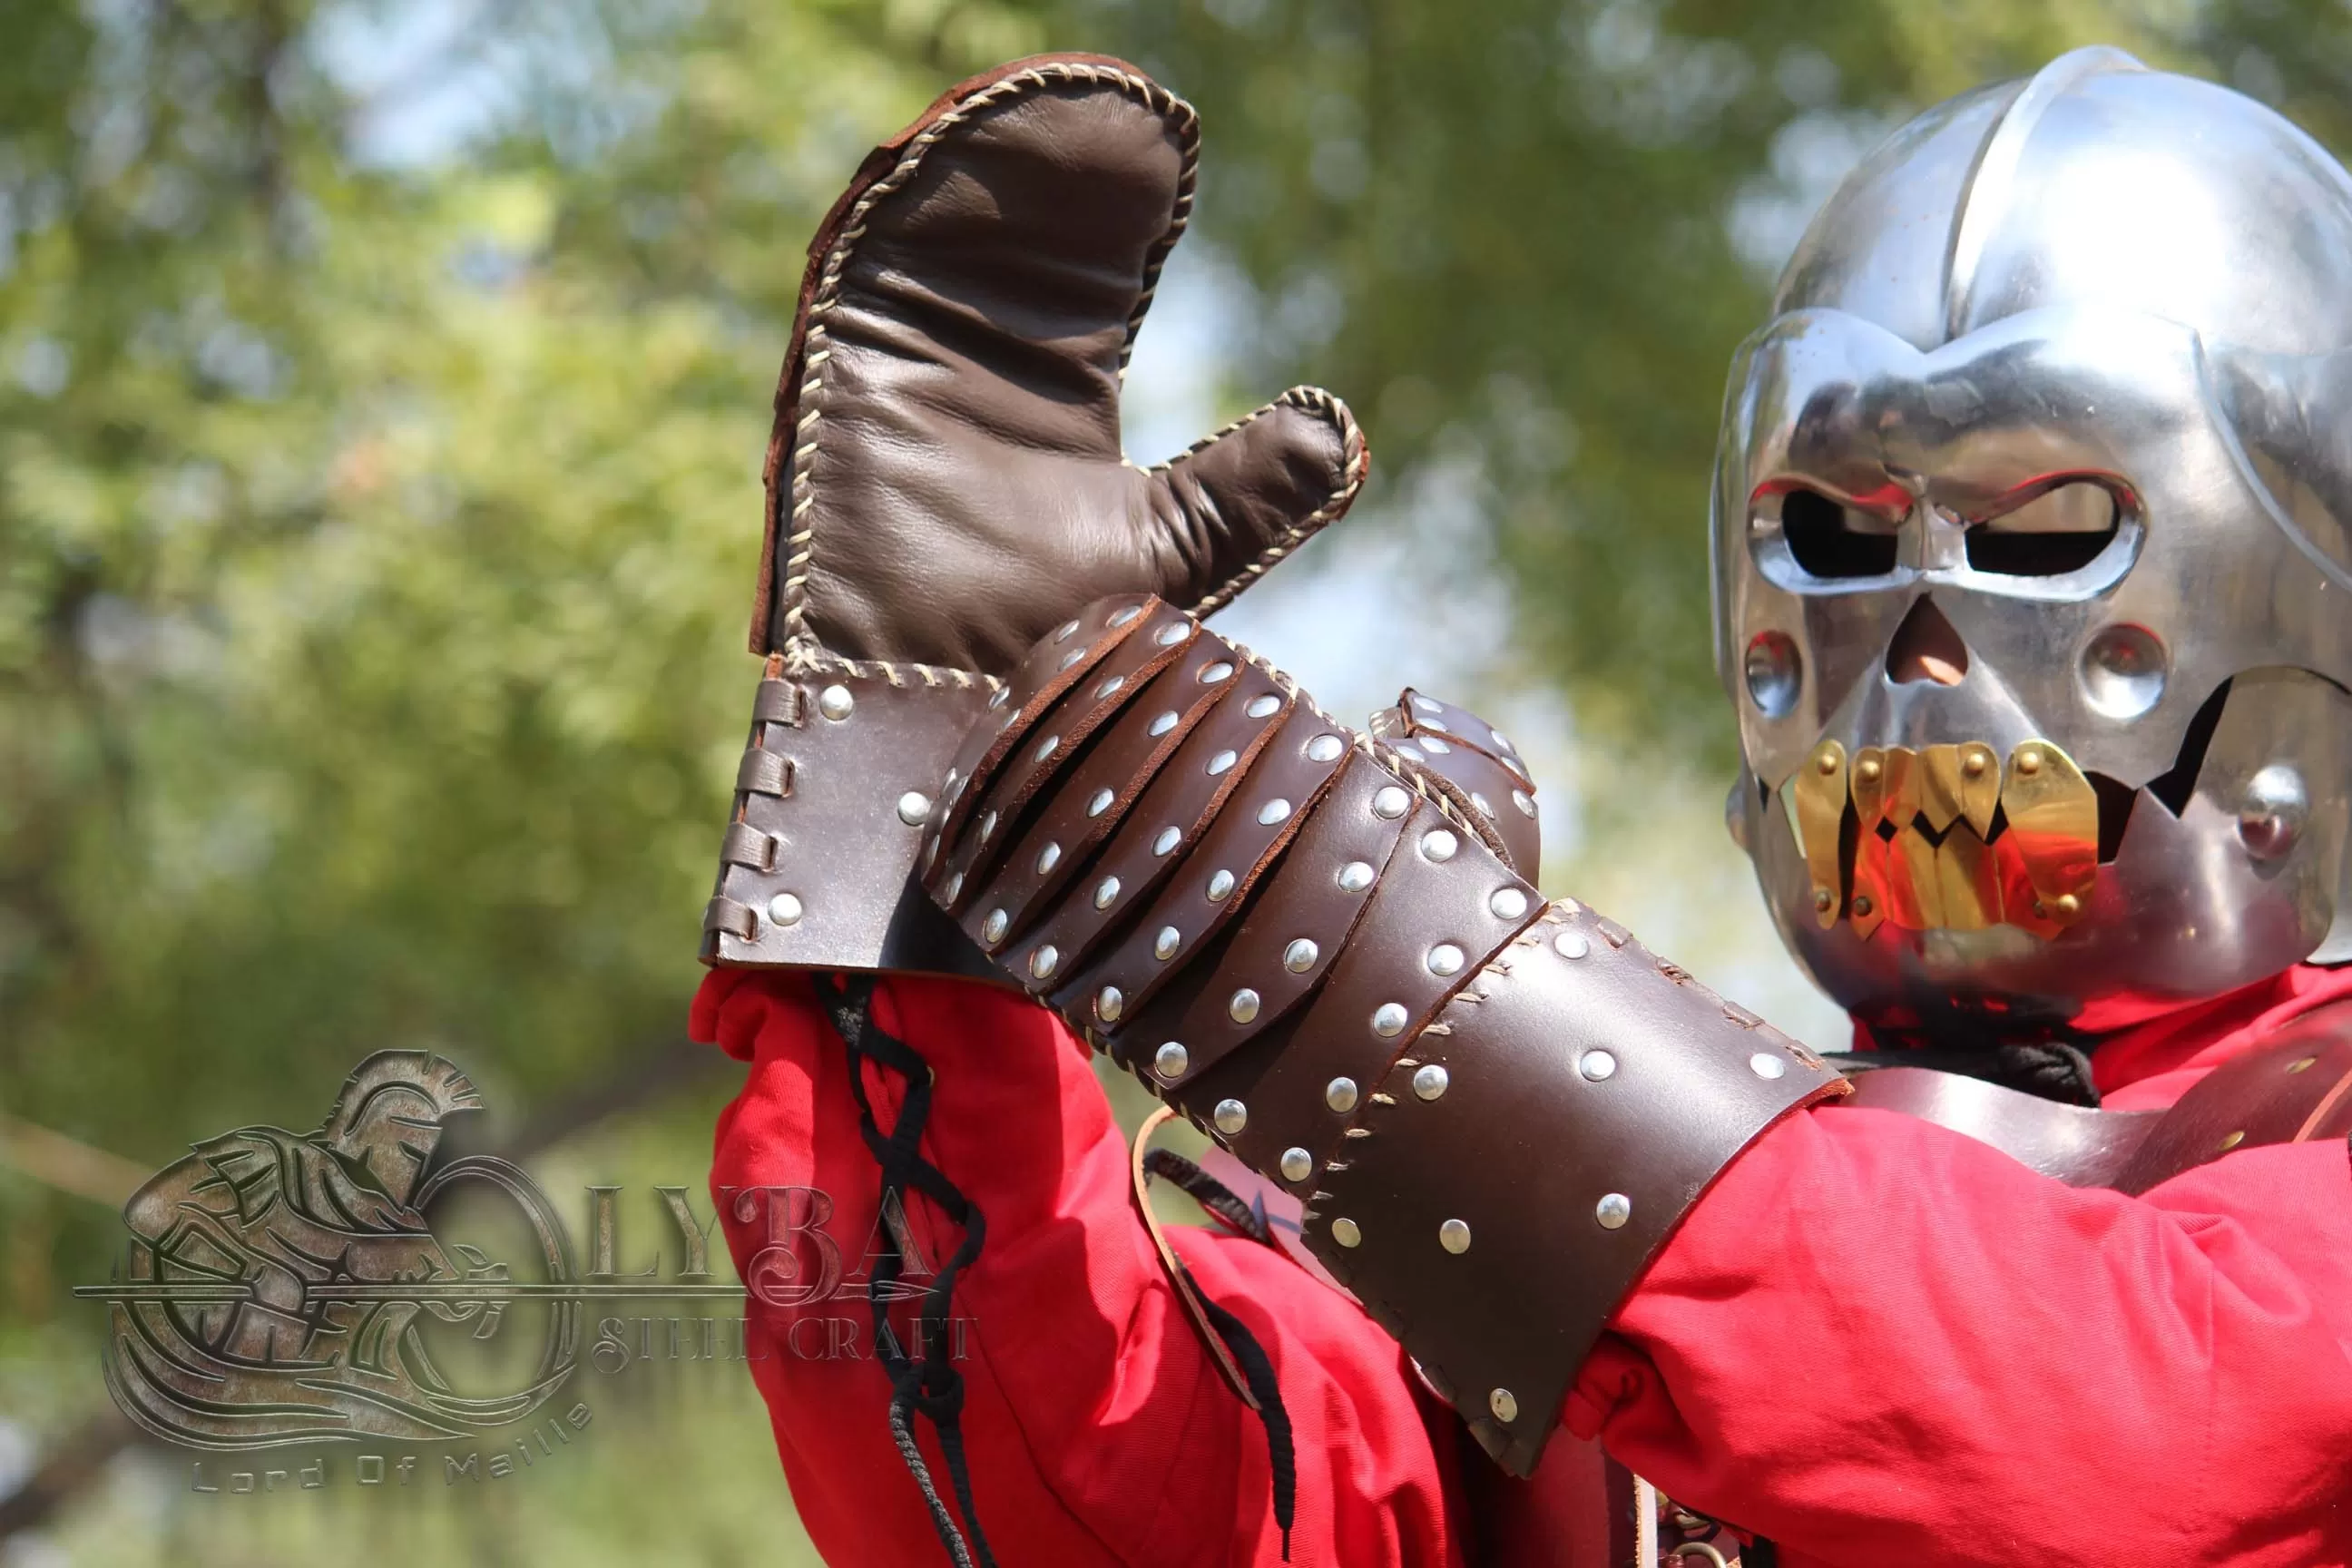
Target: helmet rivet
[(1973, 765), (1774, 672), (1824, 900), (1863, 906), (1867, 770), (2276, 809), (2029, 762), (2066, 907), (1825, 762)]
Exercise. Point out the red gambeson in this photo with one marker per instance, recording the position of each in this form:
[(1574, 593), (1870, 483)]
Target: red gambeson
[(1873, 1340)]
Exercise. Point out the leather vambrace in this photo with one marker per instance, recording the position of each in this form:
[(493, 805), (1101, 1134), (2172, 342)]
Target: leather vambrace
[(1326, 949)]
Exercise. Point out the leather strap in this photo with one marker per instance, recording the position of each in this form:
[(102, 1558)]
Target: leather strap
[(2296, 1087), (1311, 943)]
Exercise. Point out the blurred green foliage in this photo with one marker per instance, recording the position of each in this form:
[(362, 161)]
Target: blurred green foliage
[(382, 388)]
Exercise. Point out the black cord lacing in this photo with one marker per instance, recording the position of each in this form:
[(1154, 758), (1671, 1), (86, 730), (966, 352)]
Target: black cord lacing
[(927, 1383), (1258, 1367), (2053, 1069)]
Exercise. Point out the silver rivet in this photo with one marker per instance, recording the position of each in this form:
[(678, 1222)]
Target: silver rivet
[(1505, 1406), (1355, 877), (1243, 1007), (1100, 803), (1444, 960), (1220, 886), (1071, 658), (998, 697), (1171, 635), (913, 807), (1066, 633), (1106, 891), (836, 703), (1454, 1237), (1388, 1020), (1427, 704), (1298, 1164), (1486, 808), (1168, 839), (1764, 1064), (1570, 944), (1048, 746), (2276, 810), (1433, 746), (1041, 962), (1439, 845), (784, 909), (1171, 1060), (1218, 671), (1597, 1065), (1339, 1094), (1519, 798), (1165, 723), (1222, 762), (1612, 1211), (1109, 1003), (1325, 748), (1231, 1116), (1273, 811), (1430, 1080), (1049, 858), (1125, 615), (987, 826), (1109, 687), (1164, 945), (1436, 724), (1263, 706), (1390, 802), (2122, 671), (955, 888), (1507, 904), (992, 929), (1300, 956), (1344, 1232), (1500, 744)]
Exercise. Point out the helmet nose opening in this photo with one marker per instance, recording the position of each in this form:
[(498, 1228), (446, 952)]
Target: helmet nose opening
[(1926, 646)]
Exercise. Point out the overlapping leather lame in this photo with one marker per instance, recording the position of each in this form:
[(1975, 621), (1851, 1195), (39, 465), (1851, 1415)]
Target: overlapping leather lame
[(1277, 784), (1478, 764), (1295, 934)]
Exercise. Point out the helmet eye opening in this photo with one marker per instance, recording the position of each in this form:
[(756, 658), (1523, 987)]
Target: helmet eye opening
[(2062, 530), (1830, 541)]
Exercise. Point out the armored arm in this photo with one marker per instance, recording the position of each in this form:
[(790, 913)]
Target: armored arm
[(1325, 948)]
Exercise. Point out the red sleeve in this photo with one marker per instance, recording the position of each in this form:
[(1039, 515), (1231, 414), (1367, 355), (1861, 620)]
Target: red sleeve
[(1096, 1428), (1876, 1340)]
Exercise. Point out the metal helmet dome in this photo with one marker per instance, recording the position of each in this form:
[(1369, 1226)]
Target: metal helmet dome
[(2032, 582)]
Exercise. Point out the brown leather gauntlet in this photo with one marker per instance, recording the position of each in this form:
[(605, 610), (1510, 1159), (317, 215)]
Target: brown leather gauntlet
[(1325, 949), (946, 484)]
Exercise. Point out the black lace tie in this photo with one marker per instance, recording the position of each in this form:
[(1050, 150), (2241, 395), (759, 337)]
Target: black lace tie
[(926, 1384)]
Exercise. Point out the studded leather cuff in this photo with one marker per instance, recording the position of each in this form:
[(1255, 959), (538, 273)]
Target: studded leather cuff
[(830, 800), (1318, 946)]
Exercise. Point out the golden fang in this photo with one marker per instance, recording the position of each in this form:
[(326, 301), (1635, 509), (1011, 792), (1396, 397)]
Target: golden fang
[(1947, 837)]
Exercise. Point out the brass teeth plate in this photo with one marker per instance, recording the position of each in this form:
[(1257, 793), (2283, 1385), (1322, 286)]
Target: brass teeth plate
[(1928, 854)]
